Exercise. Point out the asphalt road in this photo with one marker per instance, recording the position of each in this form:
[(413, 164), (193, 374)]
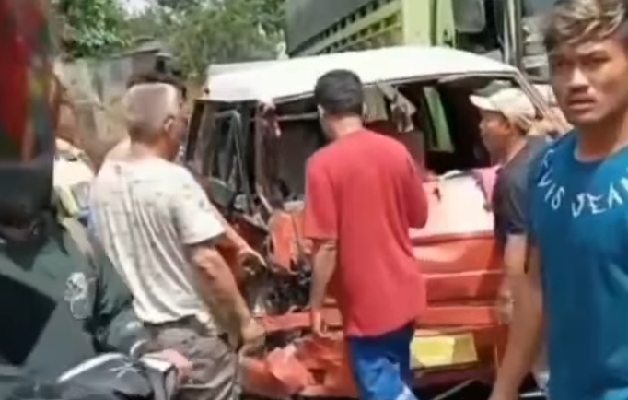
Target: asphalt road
[(476, 391), (472, 391)]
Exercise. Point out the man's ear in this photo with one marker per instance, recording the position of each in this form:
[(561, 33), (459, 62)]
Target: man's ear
[(321, 111), (169, 123)]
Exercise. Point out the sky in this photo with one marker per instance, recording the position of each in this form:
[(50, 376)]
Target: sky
[(135, 5)]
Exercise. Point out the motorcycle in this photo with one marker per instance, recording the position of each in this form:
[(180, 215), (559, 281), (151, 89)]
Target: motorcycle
[(109, 376)]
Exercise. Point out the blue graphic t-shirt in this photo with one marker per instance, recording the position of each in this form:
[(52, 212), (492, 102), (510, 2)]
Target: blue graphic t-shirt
[(579, 221)]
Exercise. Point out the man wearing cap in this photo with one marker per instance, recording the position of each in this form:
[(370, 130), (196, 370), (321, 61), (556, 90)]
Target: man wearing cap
[(507, 116)]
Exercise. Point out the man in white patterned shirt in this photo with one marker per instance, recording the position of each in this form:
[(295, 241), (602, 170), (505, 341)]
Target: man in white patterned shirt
[(159, 230)]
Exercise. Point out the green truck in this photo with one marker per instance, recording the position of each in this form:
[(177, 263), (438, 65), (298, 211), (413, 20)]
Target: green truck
[(508, 30)]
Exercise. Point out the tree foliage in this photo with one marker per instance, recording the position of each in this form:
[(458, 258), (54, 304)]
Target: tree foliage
[(92, 27), (202, 32), (199, 32), (270, 15)]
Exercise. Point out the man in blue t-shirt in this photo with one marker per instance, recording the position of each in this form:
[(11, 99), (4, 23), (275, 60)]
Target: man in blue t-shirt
[(577, 279)]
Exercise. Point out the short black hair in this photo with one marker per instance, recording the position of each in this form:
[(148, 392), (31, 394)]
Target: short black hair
[(340, 92), (158, 77)]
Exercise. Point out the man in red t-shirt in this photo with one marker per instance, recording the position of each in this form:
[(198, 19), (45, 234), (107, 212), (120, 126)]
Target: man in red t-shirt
[(363, 194)]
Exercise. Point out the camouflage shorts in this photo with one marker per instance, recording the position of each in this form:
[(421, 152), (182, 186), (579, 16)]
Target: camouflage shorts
[(215, 361)]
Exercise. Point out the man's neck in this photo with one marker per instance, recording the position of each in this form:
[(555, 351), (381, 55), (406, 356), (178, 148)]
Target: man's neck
[(142, 151), (600, 140), (347, 127), (512, 150)]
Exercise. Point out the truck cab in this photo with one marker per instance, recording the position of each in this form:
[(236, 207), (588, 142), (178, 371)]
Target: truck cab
[(250, 138), (507, 30)]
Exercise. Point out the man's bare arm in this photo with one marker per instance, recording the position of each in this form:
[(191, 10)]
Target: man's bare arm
[(526, 331), (321, 227), (323, 266), (231, 236), (200, 229), (515, 254), (219, 287), (514, 261)]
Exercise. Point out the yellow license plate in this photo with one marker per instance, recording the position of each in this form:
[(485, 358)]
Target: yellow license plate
[(443, 350)]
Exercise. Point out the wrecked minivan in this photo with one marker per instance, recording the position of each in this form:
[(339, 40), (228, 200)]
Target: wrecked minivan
[(249, 140)]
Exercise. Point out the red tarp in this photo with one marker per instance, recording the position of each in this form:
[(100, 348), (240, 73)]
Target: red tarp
[(25, 73)]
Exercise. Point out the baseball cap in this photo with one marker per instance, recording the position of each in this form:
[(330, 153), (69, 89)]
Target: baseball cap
[(547, 93), (511, 102)]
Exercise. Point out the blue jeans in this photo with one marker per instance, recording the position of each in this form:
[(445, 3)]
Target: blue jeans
[(381, 364)]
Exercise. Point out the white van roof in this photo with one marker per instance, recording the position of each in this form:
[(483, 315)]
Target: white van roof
[(221, 69), (293, 78)]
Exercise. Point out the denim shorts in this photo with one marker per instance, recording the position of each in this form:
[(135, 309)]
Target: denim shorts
[(381, 365)]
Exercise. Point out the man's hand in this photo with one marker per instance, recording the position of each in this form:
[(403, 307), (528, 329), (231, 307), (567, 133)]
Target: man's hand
[(247, 256), (317, 324), (252, 335), (181, 363)]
